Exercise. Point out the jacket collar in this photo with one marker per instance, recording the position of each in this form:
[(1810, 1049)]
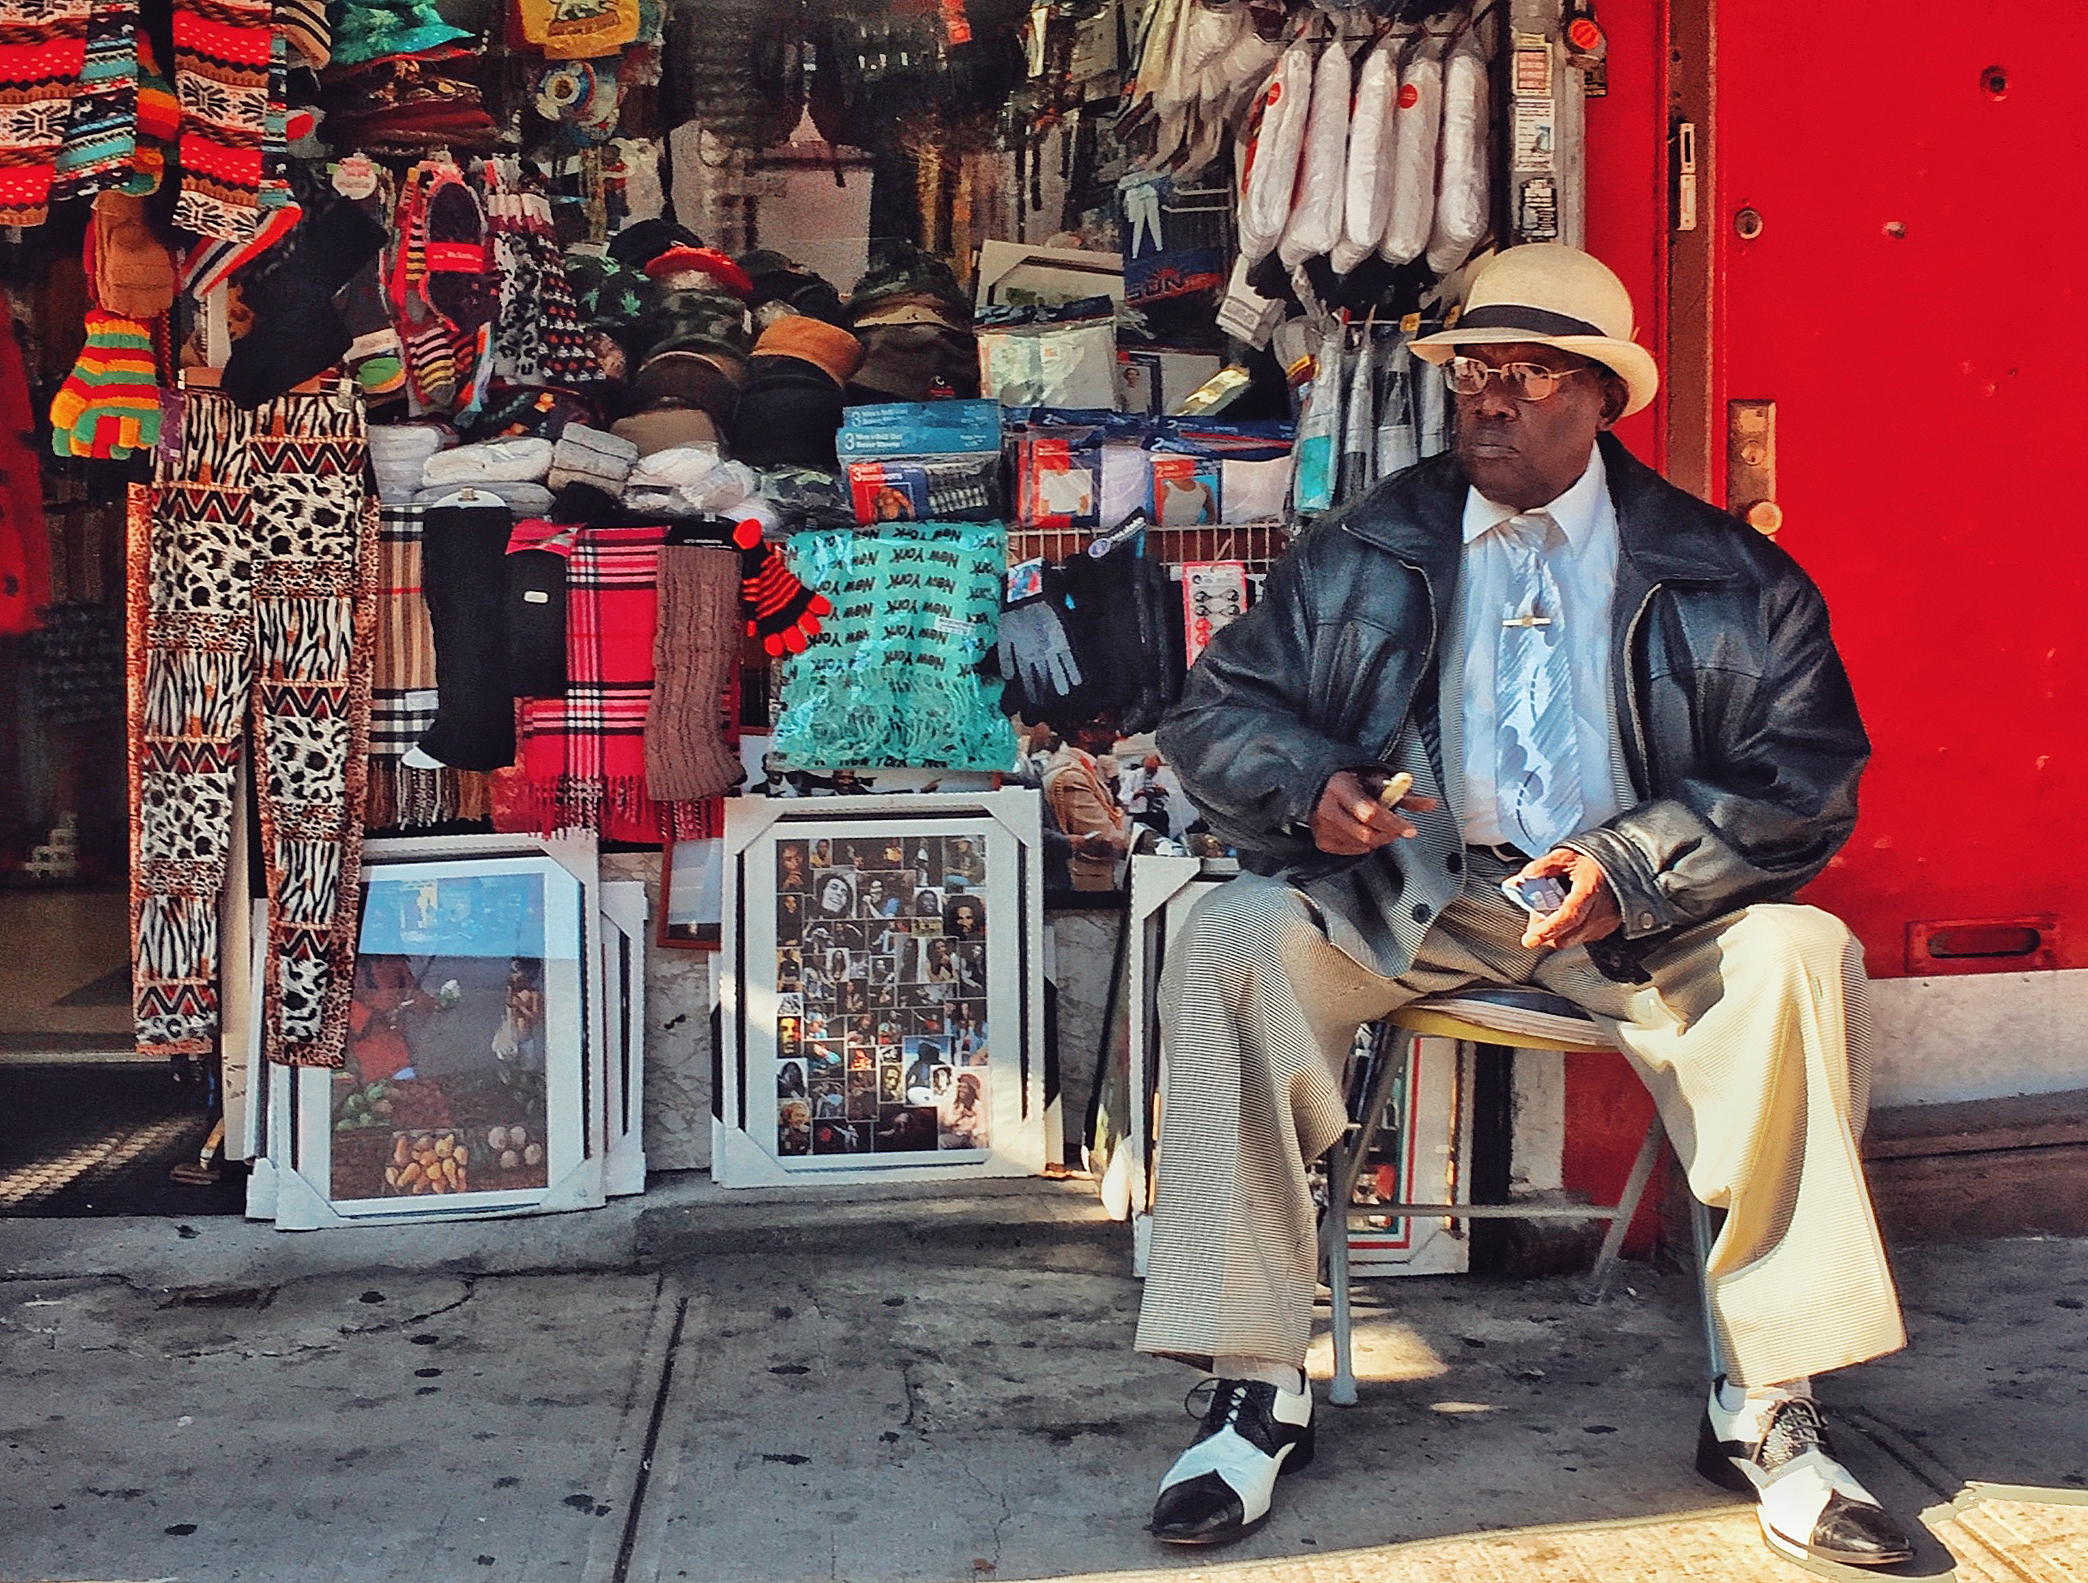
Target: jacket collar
[(1418, 515)]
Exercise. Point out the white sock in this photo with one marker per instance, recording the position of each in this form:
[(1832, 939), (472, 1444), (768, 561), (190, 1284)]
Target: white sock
[(1281, 1375), (1745, 1409)]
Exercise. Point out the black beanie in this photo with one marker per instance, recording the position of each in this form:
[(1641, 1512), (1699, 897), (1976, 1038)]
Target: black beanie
[(788, 415)]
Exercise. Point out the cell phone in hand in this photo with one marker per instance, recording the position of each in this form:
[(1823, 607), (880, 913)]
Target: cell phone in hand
[(1540, 896)]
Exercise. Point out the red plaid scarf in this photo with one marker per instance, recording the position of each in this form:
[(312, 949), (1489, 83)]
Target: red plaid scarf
[(582, 757)]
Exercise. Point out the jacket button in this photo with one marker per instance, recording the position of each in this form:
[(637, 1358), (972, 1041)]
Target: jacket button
[(1645, 920), (1420, 912), (1454, 862)]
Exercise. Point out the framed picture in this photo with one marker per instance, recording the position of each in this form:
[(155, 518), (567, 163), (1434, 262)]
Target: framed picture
[(622, 999), (477, 1080), (882, 1015), (692, 898), (1426, 1129)]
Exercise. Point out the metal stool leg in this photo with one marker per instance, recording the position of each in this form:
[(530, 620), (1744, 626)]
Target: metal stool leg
[(1701, 1233), (1627, 1207), (1344, 1165), (1334, 1234)]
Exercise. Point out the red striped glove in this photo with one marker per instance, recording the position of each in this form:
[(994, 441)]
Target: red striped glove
[(781, 611)]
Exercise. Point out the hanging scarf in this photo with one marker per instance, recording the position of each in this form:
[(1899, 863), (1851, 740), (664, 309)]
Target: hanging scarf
[(893, 677), (581, 761)]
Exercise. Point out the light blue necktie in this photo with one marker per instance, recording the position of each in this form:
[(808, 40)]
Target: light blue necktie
[(1537, 788)]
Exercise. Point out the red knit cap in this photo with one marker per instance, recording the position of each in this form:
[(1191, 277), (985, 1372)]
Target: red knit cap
[(825, 346), (702, 261)]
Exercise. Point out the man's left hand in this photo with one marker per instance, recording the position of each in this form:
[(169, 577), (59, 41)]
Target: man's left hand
[(1589, 911)]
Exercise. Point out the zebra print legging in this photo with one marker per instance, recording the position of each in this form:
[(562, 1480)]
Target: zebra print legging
[(253, 575)]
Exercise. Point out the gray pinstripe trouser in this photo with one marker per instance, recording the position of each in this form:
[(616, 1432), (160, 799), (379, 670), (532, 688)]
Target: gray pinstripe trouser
[(1754, 1037)]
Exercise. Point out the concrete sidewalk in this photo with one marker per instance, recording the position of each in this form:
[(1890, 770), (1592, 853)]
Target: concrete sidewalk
[(892, 1391)]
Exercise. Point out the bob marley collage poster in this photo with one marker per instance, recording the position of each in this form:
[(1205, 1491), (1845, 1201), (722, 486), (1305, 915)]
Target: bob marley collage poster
[(881, 966)]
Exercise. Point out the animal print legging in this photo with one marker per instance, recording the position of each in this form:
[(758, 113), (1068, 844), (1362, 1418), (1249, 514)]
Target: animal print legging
[(253, 573)]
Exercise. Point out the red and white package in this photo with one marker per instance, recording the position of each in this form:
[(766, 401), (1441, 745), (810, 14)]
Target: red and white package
[(1315, 219), (1367, 200), (1461, 185), (1269, 175), (1417, 122)]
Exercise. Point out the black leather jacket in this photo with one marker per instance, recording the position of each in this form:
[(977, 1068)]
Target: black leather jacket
[(1739, 729)]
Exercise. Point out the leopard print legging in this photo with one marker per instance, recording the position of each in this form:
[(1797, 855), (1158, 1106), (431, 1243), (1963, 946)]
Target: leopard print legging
[(253, 573)]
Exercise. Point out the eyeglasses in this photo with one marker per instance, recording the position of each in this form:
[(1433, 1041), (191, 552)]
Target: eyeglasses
[(1467, 376)]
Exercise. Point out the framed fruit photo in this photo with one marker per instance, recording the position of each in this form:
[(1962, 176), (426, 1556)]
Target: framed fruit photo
[(881, 1005), (471, 1084)]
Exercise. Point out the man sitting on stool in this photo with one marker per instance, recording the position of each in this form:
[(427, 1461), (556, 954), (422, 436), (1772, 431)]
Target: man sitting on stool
[(1618, 686)]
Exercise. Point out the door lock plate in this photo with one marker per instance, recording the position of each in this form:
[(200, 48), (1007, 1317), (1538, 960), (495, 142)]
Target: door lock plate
[(1751, 464)]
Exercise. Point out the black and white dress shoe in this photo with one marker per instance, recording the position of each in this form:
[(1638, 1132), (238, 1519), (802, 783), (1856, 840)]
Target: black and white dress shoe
[(1219, 1489), (1810, 1506)]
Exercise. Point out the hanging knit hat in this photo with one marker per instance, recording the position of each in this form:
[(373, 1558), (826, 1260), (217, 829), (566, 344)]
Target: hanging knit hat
[(109, 404), (306, 29), (297, 332)]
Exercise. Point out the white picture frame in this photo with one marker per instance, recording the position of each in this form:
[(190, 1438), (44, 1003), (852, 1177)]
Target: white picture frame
[(624, 936), (550, 1010), (805, 1094)]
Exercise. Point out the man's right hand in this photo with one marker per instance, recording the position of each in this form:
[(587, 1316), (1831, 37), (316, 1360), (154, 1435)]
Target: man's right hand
[(1350, 820)]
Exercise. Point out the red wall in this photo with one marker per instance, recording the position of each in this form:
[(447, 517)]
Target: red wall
[(1627, 186)]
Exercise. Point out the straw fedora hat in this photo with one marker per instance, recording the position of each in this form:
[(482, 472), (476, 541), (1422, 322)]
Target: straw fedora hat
[(1555, 296)]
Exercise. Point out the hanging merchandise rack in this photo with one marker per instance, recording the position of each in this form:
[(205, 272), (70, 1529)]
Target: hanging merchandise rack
[(1256, 544)]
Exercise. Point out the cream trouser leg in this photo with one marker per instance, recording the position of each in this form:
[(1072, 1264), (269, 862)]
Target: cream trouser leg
[(1754, 1037)]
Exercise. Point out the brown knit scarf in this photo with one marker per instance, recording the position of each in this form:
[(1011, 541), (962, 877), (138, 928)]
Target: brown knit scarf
[(695, 646)]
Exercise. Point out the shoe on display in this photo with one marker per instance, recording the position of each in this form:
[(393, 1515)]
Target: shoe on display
[(1219, 1489), (1776, 1447)]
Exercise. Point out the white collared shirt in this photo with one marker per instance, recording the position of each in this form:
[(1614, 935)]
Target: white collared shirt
[(1585, 567)]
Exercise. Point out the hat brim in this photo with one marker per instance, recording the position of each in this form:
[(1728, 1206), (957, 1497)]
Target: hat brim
[(1628, 360)]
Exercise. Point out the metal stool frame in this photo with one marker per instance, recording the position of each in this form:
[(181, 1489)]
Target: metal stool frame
[(1345, 1164)]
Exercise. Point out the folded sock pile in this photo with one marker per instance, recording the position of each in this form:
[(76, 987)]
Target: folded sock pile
[(523, 460), (674, 467), (399, 453), (591, 456)]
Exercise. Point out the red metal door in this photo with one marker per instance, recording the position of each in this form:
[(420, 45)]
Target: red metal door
[(1910, 303)]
